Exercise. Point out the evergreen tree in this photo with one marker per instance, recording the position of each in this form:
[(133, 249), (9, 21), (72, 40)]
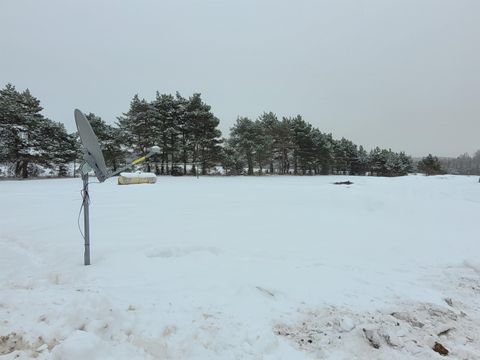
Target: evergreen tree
[(178, 118), (232, 161), (267, 124), (139, 128), (324, 151), (345, 154), (263, 147), (360, 164), (377, 161), (167, 120), (388, 163), (405, 164), (12, 126), (282, 144), (109, 138), (243, 138), (23, 130), (202, 133), (184, 113), (60, 149), (392, 164), (303, 155), (430, 165)]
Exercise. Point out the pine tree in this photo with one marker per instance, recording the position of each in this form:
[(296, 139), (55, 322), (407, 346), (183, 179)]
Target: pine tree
[(376, 161), (282, 145), (388, 163), (243, 138), (184, 113), (405, 164), (12, 127), (324, 151), (60, 149), (360, 164), (22, 131), (167, 118), (178, 119), (109, 138), (430, 165), (202, 132), (302, 144), (267, 124), (345, 153), (263, 147), (232, 161), (139, 129)]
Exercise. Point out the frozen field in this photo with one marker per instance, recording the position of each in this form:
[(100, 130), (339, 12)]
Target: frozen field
[(242, 268)]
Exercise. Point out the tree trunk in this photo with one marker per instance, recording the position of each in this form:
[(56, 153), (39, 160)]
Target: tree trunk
[(194, 160), (295, 164), (250, 164), (24, 169), (17, 168)]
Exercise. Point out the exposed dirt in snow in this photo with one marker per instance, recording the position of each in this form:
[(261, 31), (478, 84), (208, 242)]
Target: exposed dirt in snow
[(15, 345), (405, 330)]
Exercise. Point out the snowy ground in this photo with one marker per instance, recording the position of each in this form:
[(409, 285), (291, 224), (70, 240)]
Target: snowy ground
[(242, 268)]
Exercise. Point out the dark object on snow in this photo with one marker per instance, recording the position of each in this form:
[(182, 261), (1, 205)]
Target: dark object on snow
[(445, 332), (439, 348), (343, 182)]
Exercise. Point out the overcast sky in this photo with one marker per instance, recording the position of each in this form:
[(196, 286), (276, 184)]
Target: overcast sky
[(399, 74)]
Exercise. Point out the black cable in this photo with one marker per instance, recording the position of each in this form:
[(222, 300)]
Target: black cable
[(82, 193), (78, 218)]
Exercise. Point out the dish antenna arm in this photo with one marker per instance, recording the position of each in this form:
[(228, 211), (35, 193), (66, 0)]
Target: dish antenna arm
[(152, 151)]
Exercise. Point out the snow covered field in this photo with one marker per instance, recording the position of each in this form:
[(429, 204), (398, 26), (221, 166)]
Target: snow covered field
[(242, 268)]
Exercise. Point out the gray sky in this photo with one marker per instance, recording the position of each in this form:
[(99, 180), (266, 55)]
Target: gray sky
[(403, 74)]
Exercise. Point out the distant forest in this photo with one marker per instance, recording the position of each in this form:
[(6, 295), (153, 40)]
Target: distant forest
[(186, 130)]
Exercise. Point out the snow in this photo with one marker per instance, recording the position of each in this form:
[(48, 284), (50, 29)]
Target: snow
[(138, 174), (242, 268)]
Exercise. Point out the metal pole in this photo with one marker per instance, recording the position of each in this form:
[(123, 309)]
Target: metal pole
[(86, 219)]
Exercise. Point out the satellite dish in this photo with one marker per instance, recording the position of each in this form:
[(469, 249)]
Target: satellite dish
[(93, 156), (91, 149)]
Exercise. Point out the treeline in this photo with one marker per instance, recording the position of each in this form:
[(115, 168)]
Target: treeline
[(187, 133), (463, 164), (28, 140), (293, 146)]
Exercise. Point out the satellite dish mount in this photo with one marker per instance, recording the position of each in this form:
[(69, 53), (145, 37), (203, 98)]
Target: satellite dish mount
[(94, 160)]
